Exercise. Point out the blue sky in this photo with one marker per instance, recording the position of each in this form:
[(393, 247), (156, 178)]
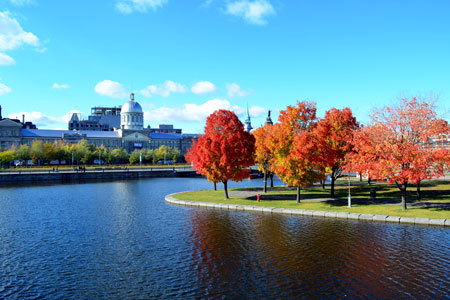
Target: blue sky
[(184, 59)]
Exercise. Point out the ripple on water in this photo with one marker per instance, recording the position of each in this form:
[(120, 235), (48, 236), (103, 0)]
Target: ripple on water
[(121, 240)]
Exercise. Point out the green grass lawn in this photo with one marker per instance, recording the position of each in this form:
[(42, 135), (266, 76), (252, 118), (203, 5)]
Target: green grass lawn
[(387, 201)]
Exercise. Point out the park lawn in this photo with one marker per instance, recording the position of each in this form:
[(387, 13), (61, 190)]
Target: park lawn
[(387, 195)]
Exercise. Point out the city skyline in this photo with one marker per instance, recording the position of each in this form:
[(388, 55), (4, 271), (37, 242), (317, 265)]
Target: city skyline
[(184, 60)]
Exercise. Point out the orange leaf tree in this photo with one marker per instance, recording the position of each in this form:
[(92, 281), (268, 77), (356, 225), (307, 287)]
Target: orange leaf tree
[(263, 152), (397, 145), (297, 160), (334, 134), (225, 151)]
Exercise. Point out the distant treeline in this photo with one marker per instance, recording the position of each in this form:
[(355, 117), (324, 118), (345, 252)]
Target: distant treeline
[(83, 153)]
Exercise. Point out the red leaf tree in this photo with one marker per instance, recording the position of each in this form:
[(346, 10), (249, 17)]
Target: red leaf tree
[(225, 151), (263, 152), (397, 145), (334, 133), (297, 159)]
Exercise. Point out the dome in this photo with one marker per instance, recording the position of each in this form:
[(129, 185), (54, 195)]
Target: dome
[(131, 107), (131, 115)]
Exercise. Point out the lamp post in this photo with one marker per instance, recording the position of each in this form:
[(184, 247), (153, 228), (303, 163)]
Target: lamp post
[(72, 158), (349, 194), (140, 159)]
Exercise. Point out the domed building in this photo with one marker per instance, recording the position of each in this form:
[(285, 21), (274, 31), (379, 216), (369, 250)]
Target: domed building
[(112, 127), (132, 131), (131, 115)]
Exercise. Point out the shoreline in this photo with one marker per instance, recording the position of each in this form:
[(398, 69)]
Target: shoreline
[(312, 213), (68, 176)]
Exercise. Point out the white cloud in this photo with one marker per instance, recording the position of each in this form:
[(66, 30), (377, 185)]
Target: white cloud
[(4, 89), (37, 118), (6, 60), (234, 90), (164, 89), (129, 6), (254, 12), (111, 89), (44, 120), (60, 86), (203, 87), (22, 2), (197, 112), (255, 111), (12, 35)]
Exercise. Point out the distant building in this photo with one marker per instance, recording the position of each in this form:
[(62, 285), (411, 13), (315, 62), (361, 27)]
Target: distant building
[(165, 128), (106, 115), (101, 119), (129, 133)]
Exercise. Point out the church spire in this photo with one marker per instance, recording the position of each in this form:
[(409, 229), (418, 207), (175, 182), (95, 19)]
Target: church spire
[(248, 124), (269, 119)]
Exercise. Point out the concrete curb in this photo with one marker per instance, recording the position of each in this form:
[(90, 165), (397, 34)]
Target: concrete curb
[(313, 213)]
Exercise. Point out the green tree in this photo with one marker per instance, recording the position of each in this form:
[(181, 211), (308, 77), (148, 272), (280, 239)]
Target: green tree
[(37, 151), (119, 155), (7, 156), (135, 156), (147, 155), (23, 153), (49, 151), (83, 152)]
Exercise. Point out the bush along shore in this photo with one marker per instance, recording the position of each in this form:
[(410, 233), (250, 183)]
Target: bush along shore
[(382, 205)]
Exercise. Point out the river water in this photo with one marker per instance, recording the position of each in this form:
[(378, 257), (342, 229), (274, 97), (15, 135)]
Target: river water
[(122, 240)]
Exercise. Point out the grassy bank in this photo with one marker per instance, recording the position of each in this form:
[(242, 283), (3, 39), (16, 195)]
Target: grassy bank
[(387, 201)]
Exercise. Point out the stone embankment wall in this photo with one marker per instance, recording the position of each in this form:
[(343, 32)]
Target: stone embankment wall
[(79, 176), (313, 213)]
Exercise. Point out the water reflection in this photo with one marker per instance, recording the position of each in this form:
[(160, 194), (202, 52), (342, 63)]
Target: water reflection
[(121, 240), (286, 256)]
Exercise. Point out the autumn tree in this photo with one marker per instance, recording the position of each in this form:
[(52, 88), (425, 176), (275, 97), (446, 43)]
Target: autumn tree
[(334, 133), (225, 151), (200, 154), (397, 145), (23, 153), (37, 151), (119, 155), (135, 156), (6, 157), (264, 157), (50, 151), (297, 159)]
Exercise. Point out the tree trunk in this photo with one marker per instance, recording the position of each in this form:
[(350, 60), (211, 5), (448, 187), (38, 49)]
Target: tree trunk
[(418, 191), (215, 186), (403, 189), (265, 182), (360, 177), (271, 179), (368, 180), (225, 186), (333, 179), (298, 194), (323, 184)]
